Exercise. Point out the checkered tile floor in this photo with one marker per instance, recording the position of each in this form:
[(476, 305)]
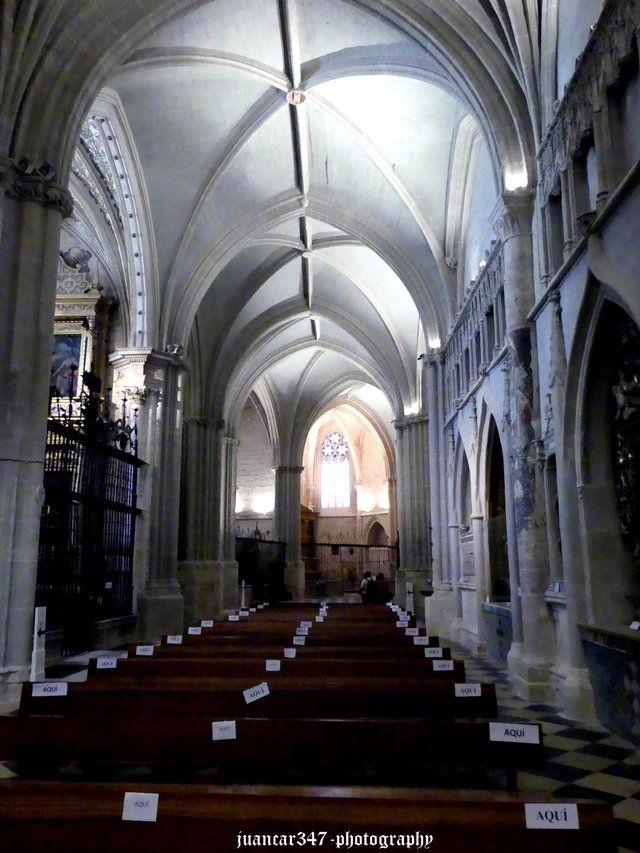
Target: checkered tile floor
[(581, 762)]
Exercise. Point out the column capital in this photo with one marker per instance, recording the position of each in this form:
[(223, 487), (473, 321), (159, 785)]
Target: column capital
[(287, 469), (32, 186), (431, 359), (201, 420), (410, 421), (512, 214), (146, 362)]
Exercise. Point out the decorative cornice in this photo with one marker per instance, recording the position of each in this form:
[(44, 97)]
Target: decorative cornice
[(35, 188), (126, 357)]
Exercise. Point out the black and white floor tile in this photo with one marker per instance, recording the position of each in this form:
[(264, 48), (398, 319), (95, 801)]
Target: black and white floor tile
[(581, 761)]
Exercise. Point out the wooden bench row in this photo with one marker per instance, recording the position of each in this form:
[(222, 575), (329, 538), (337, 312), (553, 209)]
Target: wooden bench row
[(88, 818), (257, 750), (287, 697), (148, 668)]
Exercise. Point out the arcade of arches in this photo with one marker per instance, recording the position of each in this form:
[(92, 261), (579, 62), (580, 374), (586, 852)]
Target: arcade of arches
[(367, 264)]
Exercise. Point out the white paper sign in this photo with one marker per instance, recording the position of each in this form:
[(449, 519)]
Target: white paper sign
[(635, 626), (433, 652), (257, 692), (290, 653), (551, 816), (144, 651), (261, 607), (272, 665), (174, 639), (244, 612), (509, 732), (223, 730), (195, 632), (50, 688), (402, 623), (299, 641), (138, 806), (234, 617), (306, 624), (106, 663), (464, 690), (302, 632), (207, 623), (252, 610), (319, 618), (411, 632), (443, 666), (420, 641)]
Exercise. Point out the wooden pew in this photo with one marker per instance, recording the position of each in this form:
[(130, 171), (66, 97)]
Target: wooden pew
[(329, 632), (148, 668), (288, 697), (87, 818), (334, 751), (190, 647), (284, 638)]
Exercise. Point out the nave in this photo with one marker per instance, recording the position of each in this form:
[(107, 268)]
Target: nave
[(578, 763)]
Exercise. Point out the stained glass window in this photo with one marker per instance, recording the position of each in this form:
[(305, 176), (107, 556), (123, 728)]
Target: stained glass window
[(335, 479)]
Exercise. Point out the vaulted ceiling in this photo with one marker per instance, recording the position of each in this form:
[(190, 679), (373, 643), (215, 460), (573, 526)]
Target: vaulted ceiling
[(307, 176)]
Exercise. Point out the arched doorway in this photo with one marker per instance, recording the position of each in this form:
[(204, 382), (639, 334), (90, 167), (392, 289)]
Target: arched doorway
[(496, 519)]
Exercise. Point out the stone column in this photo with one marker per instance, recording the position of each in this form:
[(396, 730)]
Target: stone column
[(31, 211), (453, 532), (287, 525), (227, 567), (201, 577), (441, 603), (575, 687), (413, 507), (529, 663), (160, 603)]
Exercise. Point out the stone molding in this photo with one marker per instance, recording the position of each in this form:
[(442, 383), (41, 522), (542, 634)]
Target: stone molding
[(599, 67)]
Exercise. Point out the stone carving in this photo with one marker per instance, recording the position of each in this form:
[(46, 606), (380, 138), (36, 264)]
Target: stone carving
[(91, 139), (36, 188), (626, 423), (137, 395), (548, 416), (81, 171), (77, 258), (478, 303), (511, 217), (598, 67)]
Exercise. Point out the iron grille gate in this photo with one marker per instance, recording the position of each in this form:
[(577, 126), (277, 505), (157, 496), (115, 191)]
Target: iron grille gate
[(340, 567), (87, 533)]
